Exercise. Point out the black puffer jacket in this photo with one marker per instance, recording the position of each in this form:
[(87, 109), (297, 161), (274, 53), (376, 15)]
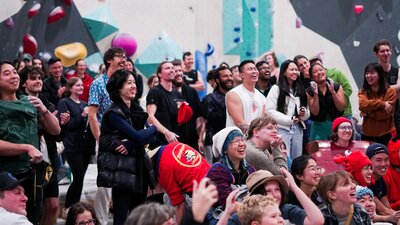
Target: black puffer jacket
[(132, 171)]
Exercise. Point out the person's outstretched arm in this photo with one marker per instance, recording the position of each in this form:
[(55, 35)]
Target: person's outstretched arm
[(313, 214)]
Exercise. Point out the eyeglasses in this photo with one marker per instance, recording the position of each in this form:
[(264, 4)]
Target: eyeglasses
[(237, 140), (121, 56), (315, 168), (348, 127), (88, 222)]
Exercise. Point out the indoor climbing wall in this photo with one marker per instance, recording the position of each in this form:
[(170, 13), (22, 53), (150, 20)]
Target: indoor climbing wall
[(45, 29), (354, 26), (247, 27)]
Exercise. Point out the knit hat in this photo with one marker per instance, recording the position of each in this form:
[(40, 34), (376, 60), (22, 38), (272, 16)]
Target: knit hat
[(220, 138), (354, 163), (185, 112), (362, 191), (376, 148), (8, 181), (394, 147), (336, 122), (260, 177)]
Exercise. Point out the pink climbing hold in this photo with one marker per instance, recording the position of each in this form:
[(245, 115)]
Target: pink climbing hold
[(55, 15), (9, 22), (299, 23), (125, 41), (358, 9), (34, 10), (30, 44)]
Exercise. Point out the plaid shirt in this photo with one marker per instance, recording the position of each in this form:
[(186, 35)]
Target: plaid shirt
[(360, 216)]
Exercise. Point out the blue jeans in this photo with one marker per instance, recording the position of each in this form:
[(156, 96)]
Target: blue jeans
[(293, 139)]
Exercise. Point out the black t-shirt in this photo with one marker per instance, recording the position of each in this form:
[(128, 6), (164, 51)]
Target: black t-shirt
[(187, 131), (190, 77), (379, 188), (391, 75), (167, 109), (327, 109), (271, 82)]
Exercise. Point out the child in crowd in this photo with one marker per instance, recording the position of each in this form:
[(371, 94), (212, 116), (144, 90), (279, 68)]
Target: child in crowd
[(260, 209), (365, 198)]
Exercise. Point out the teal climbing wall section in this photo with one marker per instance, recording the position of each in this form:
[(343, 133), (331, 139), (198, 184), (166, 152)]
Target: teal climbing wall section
[(232, 26), (248, 27)]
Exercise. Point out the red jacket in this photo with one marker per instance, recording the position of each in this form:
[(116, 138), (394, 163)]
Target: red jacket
[(87, 80)]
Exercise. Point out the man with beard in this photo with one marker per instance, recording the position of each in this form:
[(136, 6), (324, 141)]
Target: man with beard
[(265, 81), (162, 106), (215, 108), (244, 103), (187, 131)]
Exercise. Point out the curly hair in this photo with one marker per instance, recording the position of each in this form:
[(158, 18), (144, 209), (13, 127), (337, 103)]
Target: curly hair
[(253, 207)]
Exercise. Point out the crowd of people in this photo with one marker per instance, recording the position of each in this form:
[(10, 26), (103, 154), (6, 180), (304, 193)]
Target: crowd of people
[(243, 154)]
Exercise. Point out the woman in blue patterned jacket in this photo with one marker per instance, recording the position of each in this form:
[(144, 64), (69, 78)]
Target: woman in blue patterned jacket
[(232, 170)]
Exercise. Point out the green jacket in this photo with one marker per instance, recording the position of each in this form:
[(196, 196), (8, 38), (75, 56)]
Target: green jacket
[(338, 77)]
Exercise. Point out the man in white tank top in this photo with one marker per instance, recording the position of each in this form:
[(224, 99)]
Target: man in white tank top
[(244, 102)]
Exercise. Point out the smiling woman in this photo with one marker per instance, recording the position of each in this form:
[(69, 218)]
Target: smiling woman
[(232, 170), (359, 165), (122, 140), (326, 100), (342, 135), (307, 174), (76, 153), (377, 105), (287, 104)]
